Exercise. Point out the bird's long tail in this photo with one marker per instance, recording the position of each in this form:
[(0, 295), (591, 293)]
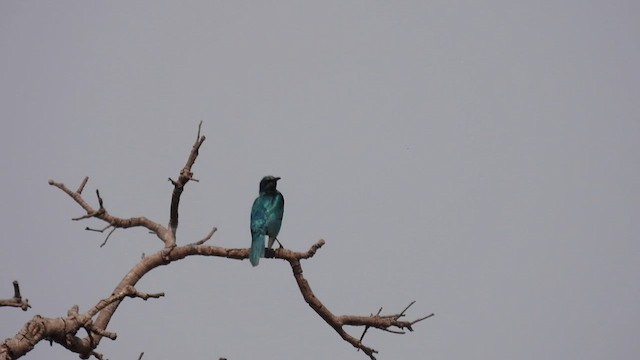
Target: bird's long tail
[(257, 248)]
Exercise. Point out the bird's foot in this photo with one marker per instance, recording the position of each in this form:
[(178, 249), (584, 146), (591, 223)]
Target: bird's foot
[(269, 253)]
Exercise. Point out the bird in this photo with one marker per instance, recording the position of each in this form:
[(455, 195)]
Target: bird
[(266, 217)]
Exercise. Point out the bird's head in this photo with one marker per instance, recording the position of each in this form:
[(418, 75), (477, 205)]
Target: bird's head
[(268, 184)]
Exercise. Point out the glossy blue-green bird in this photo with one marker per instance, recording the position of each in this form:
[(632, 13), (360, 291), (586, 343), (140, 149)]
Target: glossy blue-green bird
[(266, 217)]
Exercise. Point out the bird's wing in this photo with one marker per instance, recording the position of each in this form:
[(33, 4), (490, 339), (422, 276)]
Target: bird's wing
[(274, 212), (258, 216)]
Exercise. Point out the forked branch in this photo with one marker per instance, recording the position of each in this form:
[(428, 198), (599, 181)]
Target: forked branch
[(387, 323), (102, 213)]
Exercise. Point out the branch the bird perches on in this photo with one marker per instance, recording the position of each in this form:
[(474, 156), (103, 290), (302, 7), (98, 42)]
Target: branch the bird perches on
[(63, 330)]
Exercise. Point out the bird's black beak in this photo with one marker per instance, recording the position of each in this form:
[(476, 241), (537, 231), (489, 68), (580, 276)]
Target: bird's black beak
[(277, 178)]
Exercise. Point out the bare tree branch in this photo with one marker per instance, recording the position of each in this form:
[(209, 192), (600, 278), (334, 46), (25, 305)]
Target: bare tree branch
[(16, 300), (64, 330), (183, 179), (113, 221), (126, 288), (338, 322)]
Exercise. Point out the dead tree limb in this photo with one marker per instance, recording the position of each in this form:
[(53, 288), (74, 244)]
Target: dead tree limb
[(16, 300), (64, 330), (178, 186), (382, 322), (113, 221)]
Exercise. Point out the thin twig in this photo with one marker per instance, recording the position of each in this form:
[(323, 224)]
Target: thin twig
[(206, 238), (100, 202), (422, 318), (16, 290), (107, 238), (367, 327), (87, 216), (405, 309), (81, 187), (98, 230)]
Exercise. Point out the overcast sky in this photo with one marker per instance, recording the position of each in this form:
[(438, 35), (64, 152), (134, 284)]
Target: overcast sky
[(481, 158)]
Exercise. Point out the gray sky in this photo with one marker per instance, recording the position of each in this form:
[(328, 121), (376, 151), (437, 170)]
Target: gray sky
[(479, 158)]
